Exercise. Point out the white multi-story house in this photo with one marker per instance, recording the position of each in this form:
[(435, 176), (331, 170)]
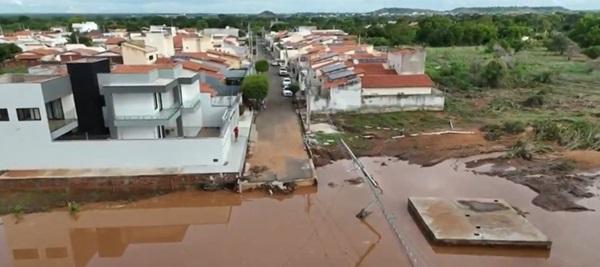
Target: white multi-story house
[(153, 117), (83, 27), (161, 38)]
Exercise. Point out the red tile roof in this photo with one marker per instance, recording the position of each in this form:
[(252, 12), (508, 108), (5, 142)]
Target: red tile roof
[(114, 40), (396, 81), (376, 68), (208, 70)]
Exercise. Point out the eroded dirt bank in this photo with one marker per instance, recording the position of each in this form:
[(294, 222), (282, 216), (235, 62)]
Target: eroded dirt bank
[(560, 178)]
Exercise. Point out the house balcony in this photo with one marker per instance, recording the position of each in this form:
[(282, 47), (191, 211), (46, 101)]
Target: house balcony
[(162, 117), (59, 128), (192, 104)]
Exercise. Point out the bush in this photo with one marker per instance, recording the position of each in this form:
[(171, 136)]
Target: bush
[(534, 101), (261, 66), (494, 73), (592, 52), (513, 127), (521, 150)]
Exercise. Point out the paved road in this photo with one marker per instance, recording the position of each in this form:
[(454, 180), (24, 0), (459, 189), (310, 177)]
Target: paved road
[(279, 145)]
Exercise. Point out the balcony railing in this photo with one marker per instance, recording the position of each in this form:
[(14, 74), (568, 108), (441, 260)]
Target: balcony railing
[(192, 104), (160, 118)]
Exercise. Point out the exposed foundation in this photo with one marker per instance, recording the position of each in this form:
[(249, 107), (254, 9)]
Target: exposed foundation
[(484, 222)]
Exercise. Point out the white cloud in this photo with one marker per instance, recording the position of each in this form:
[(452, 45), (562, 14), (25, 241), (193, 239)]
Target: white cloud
[(17, 2)]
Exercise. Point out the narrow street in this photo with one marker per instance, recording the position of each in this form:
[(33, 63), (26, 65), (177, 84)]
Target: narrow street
[(278, 136)]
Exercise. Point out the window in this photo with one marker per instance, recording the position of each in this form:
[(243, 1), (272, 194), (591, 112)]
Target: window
[(4, 114), (151, 57), (160, 130), (158, 105), (55, 110), (28, 114)]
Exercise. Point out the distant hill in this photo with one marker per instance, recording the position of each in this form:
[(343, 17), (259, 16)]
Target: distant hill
[(395, 11), (267, 14), (509, 10), (402, 11)]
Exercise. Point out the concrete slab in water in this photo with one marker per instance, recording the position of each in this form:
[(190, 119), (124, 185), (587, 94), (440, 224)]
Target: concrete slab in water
[(475, 222)]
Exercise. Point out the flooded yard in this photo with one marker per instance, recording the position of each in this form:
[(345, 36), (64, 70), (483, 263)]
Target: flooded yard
[(312, 227)]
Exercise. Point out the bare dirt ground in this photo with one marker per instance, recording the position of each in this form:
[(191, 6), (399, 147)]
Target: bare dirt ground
[(424, 150)]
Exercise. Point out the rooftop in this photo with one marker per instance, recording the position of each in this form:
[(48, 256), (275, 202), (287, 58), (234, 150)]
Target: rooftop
[(26, 78), (396, 81)]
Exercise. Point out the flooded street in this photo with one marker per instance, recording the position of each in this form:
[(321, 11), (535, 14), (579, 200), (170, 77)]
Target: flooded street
[(312, 227)]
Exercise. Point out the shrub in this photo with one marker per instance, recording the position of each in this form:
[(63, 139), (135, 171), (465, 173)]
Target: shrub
[(592, 52), (534, 101), (494, 73), (513, 127), (73, 207), (520, 149)]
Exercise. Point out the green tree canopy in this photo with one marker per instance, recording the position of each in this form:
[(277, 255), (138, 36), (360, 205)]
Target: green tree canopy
[(8, 51), (558, 42), (261, 66), (255, 87)]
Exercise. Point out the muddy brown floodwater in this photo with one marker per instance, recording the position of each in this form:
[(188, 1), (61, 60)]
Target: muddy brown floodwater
[(312, 227)]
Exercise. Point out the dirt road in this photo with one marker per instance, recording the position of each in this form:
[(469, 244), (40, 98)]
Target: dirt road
[(279, 146)]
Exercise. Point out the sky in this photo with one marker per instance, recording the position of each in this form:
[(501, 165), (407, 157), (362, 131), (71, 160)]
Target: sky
[(256, 6)]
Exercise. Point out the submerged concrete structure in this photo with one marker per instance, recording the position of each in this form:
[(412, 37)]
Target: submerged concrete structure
[(485, 222)]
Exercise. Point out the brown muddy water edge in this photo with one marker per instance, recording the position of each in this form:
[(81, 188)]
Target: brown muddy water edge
[(561, 178), (560, 185), (314, 226)]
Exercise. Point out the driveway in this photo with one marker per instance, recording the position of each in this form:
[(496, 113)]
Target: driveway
[(278, 137)]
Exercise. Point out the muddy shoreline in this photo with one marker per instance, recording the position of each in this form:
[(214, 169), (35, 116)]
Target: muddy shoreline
[(560, 178)]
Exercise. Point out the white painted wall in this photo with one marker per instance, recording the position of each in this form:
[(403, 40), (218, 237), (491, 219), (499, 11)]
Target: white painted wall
[(162, 41), (345, 98), (130, 104), (404, 102), (137, 133), (191, 44), (133, 56)]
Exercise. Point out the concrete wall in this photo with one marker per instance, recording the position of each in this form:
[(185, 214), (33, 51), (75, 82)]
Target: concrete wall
[(133, 56), (162, 41), (191, 44), (432, 102), (408, 63), (345, 98)]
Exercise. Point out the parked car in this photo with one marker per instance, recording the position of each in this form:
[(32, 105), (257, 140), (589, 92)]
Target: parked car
[(274, 63), (283, 71), (285, 91), (286, 82)]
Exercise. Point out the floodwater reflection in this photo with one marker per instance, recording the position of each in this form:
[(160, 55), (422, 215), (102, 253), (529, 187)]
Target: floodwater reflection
[(312, 227)]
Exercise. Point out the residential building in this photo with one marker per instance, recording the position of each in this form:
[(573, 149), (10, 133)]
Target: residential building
[(135, 53), (137, 117), (161, 38), (85, 27)]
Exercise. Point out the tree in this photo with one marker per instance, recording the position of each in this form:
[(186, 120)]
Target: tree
[(76, 38), (587, 31), (294, 87), (8, 51), (558, 42), (261, 66), (255, 87)]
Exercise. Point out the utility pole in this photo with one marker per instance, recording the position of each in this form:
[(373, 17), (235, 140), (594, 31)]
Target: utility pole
[(308, 100)]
